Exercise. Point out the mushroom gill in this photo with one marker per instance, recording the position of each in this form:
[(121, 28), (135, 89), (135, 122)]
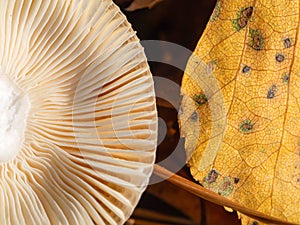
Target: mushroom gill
[(78, 116)]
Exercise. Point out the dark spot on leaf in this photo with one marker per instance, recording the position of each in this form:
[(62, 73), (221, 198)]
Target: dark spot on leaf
[(254, 223), (246, 126), (242, 18), (287, 42), (247, 12), (246, 69), (279, 57), (257, 40), (286, 78), (242, 22), (272, 92), (194, 116), (211, 177), (211, 66), (225, 187), (236, 180), (200, 99)]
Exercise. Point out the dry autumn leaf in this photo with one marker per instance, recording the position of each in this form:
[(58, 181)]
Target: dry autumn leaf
[(240, 109)]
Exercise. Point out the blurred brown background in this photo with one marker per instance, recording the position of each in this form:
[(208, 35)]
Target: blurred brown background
[(180, 22)]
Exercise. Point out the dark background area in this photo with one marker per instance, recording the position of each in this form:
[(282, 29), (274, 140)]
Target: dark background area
[(180, 22)]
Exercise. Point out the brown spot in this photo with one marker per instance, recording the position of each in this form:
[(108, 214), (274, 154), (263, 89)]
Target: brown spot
[(211, 66), (286, 78), (225, 187), (272, 92), (287, 42), (246, 69), (212, 176), (246, 126), (242, 22), (257, 40), (243, 17), (200, 99), (247, 12), (236, 180), (279, 57)]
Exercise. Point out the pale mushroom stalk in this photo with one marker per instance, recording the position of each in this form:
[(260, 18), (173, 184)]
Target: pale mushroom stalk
[(13, 114), (78, 119)]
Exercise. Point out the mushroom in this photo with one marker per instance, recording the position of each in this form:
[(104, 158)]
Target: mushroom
[(78, 120)]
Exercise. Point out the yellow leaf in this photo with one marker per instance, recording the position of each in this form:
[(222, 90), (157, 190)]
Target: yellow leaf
[(241, 106)]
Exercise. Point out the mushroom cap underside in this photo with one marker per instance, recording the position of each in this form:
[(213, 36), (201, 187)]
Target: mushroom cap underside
[(90, 138)]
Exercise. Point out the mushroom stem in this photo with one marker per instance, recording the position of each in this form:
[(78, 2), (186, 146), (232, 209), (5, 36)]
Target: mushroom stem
[(14, 108)]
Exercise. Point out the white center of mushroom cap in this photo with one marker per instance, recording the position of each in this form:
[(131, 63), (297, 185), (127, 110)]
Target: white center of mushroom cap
[(14, 107)]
